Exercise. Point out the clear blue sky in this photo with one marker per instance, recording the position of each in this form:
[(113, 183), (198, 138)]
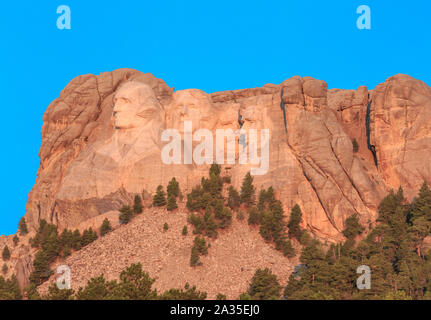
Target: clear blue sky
[(210, 45)]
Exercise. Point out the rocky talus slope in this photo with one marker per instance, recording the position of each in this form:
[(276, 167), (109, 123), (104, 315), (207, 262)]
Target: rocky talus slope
[(228, 267)]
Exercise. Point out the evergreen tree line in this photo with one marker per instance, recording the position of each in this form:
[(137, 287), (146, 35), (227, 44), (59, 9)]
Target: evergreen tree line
[(51, 245), (394, 251), (134, 284), (207, 205)]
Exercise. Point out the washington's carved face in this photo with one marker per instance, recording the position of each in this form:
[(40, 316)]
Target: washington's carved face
[(136, 106)]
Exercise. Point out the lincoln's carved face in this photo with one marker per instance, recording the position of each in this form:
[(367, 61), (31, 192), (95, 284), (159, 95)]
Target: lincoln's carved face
[(136, 106)]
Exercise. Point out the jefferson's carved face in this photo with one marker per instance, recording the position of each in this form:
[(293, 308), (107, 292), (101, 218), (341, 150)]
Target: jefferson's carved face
[(135, 106), (191, 105)]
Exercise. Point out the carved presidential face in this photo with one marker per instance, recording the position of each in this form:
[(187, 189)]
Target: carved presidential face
[(191, 105), (136, 106)]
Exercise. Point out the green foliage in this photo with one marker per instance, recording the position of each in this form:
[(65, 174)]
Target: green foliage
[(96, 289), (173, 188), (76, 240), (54, 293), (248, 191), (41, 269), (273, 225), (240, 215), (234, 200), (194, 258), (287, 248), (220, 296), (88, 236), (264, 286), (352, 227), (394, 250), (9, 289), (184, 232), (199, 248), (6, 253), (210, 224), (126, 214), (165, 227), (213, 185), (189, 293), (194, 199), (15, 240), (294, 223), (30, 292), (137, 204), (159, 199), (355, 145), (215, 169), (198, 223), (105, 227), (254, 216), (266, 199), (200, 245), (43, 233), (5, 268), (134, 284), (172, 203), (22, 226), (222, 214)]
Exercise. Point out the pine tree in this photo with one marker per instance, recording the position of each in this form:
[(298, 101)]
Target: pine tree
[(352, 227), (51, 247), (248, 190), (41, 270), (184, 232), (197, 222), (172, 203), (76, 240), (15, 240), (22, 226), (422, 204), (234, 200), (223, 214), (194, 258), (264, 286), (173, 188), (254, 216), (159, 199), (126, 214), (6, 253), (66, 239), (215, 169), (294, 223), (54, 293), (165, 227), (137, 204), (88, 236), (5, 268), (105, 228), (210, 225)]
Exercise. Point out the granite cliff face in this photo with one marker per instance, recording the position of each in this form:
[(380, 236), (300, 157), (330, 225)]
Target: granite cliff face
[(101, 145)]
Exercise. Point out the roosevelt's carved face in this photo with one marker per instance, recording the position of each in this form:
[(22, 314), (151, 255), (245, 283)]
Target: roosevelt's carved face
[(136, 106)]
